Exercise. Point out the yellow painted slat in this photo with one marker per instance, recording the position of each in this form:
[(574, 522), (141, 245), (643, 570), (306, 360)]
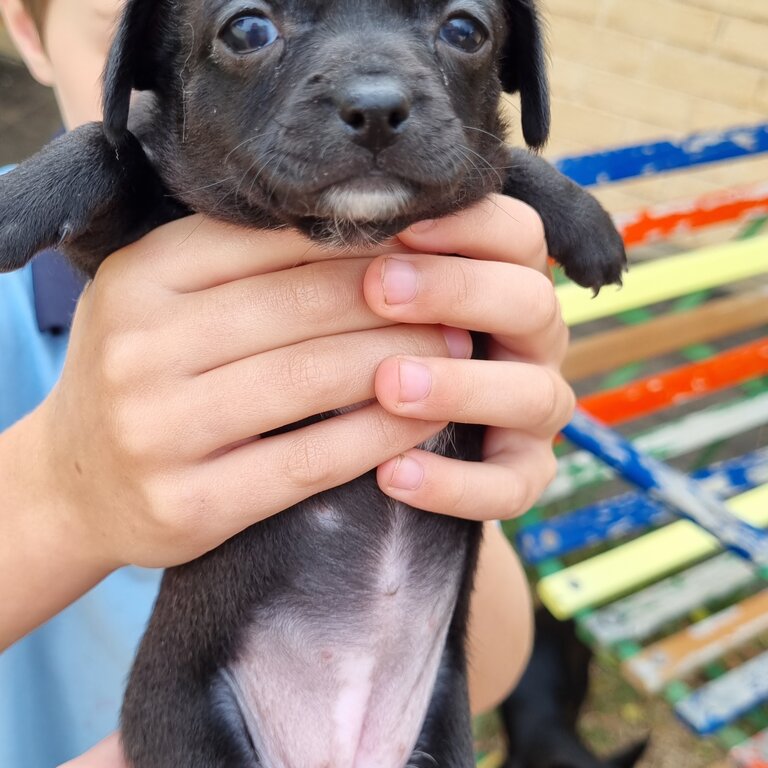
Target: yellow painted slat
[(646, 559), (668, 278)]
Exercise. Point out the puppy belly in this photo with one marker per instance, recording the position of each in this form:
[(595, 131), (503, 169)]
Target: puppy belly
[(349, 689)]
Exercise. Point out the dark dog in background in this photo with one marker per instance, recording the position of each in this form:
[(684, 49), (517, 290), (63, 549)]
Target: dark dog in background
[(292, 646), (540, 717)]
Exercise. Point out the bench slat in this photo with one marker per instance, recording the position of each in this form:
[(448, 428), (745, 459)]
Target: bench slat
[(668, 278), (662, 221), (697, 645), (613, 349), (632, 512), (647, 558), (721, 701), (645, 612), (645, 159), (752, 753), (651, 394), (580, 469)]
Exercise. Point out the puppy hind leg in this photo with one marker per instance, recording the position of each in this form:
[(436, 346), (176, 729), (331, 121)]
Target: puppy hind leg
[(81, 195), (446, 738), (191, 723)]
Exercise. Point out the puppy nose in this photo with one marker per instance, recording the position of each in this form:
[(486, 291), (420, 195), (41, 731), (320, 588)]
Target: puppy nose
[(375, 110)]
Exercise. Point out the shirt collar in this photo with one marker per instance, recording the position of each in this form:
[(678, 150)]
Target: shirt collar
[(57, 288)]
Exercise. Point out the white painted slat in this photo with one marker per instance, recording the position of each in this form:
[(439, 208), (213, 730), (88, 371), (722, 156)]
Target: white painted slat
[(727, 698), (643, 613), (696, 430)]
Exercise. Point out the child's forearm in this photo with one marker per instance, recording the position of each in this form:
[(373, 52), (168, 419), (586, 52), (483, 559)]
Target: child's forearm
[(501, 623), (47, 560)]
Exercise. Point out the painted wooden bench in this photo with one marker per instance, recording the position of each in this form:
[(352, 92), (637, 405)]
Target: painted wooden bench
[(684, 619), (752, 753)]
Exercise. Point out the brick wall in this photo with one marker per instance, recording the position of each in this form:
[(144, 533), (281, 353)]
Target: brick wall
[(634, 70)]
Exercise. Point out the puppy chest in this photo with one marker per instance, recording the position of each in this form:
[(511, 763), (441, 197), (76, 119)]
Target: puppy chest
[(344, 680)]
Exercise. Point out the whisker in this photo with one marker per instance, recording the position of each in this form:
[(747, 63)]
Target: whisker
[(464, 153), (234, 149), (487, 133), (482, 159), (204, 186), (184, 87)]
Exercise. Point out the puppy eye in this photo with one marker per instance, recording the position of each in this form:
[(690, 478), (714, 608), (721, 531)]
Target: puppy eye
[(463, 33), (247, 34)]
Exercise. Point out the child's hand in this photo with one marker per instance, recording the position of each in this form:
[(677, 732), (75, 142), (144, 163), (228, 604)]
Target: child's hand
[(503, 289), (187, 345)]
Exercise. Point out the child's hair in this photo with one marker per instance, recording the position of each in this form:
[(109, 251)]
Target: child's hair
[(37, 9)]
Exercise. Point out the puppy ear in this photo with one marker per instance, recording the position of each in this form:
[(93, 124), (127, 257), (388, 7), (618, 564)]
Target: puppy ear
[(130, 64), (523, 69)]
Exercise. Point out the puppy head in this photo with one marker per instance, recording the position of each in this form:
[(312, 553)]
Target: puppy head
[(349, 119)]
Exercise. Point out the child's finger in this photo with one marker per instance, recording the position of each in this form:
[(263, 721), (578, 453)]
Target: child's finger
[(501, 487), (197, 252), (257, 480), (264, 392), (230, 322), (511, 395), (498, 228), (509, 301)]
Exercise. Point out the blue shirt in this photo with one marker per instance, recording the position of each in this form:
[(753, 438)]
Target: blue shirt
[(61, 686)]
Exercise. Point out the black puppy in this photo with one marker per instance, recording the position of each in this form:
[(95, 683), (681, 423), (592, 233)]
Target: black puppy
[(333, 634), (540, 716)]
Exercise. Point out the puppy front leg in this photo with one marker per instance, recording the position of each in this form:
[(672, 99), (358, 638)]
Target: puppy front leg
[(580, 234), (82, 195)]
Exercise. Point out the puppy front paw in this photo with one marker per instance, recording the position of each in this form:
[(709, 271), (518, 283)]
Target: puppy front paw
[(594, 255), (580, 235)]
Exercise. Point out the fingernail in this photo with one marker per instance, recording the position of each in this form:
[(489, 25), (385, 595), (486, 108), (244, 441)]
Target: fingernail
[(408, 474), (459, 342), (399, 281), (415, 381), (422, 226)]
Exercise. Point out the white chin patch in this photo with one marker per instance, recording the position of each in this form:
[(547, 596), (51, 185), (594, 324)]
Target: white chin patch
[(364, 205)]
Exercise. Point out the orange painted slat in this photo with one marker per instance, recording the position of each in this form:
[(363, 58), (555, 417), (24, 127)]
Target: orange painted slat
[(675, 656), (652, 394), (716, 208)]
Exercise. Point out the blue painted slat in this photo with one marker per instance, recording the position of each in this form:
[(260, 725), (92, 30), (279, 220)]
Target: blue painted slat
[(669, 485), (726, 698), (645, 159), (633, 512)]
